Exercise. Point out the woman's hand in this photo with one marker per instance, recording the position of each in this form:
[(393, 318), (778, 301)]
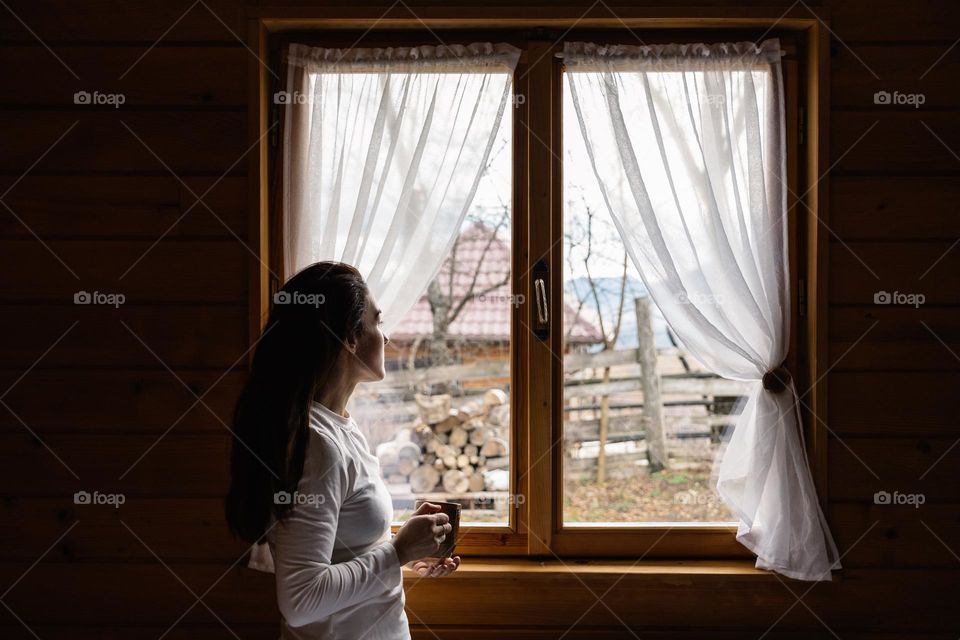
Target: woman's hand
[(435, 567), (421, 535)]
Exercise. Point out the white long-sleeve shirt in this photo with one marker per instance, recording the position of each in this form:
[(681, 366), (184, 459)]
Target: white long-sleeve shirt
[(337, 573)]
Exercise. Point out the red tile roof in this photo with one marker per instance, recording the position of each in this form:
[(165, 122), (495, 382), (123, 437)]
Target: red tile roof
[(485, 317)]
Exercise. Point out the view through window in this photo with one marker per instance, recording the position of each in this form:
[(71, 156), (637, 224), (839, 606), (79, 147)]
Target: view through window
[(643, 420), (440, 421)]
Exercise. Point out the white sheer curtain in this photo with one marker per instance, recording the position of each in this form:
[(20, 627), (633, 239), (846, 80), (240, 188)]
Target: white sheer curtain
[(687, 144), (383, 150)]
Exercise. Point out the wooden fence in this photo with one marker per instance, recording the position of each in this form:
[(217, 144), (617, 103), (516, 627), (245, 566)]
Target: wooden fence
[(611, 397)]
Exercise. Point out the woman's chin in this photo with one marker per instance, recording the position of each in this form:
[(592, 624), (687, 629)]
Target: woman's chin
[(374, 375)]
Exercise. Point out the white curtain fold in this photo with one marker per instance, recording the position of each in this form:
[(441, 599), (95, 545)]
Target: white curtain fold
[(687, 144), (383, 150)]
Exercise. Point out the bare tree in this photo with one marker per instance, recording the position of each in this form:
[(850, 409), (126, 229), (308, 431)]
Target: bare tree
[(447, 300)]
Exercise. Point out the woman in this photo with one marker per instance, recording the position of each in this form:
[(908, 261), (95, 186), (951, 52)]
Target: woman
[(303, 477)]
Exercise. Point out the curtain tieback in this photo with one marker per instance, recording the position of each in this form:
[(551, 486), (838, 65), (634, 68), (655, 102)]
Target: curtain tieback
[(776, 380)]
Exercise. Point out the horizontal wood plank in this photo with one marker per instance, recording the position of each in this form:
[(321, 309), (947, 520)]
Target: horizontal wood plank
[(861, 467), (172, 465), (166, 271), (921, 355), (125, 21), (888, 337), (927, 71), (880, 535), (174, 529), (126, 401), (859, 271), (174, 336), (894, 403), (94, 141), (894, 207), (148, 207), (894, 141), (213, 630), (216, 76), (892, 21)]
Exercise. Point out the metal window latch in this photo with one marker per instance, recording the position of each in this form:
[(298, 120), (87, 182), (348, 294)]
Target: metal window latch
[(541, 319)]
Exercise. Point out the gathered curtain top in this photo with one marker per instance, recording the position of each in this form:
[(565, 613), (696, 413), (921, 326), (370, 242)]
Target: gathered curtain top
[(589, 56), (477, 56)]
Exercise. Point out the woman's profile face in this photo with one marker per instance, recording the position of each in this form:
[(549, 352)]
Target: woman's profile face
[(368, 360)]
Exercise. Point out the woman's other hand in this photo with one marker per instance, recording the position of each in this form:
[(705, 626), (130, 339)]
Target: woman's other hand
[(435, 567)]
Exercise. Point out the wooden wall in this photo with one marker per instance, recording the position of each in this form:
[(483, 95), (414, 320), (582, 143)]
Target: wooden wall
[(103, 199)]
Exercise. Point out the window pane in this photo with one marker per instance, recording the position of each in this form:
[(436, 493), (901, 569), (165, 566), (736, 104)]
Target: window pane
[(440, 421), (628, 459)]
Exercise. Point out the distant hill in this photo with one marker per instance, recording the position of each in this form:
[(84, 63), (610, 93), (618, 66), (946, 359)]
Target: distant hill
[(608, 291)]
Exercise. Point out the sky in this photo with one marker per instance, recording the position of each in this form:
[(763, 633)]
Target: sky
[(580, 187)]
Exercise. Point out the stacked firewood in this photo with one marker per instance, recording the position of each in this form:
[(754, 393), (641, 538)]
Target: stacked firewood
[(450, 449)]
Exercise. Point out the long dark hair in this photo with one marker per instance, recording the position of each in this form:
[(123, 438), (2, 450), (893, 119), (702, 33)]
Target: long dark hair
[(313, 314)]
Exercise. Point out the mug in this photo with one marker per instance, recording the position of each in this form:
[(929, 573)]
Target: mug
[(452, 509)]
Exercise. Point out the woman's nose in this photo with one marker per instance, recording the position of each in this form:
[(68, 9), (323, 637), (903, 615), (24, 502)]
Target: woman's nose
[(386, 340)]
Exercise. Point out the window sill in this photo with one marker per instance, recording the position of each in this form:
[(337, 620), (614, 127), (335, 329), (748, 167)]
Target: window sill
[(480, 568)]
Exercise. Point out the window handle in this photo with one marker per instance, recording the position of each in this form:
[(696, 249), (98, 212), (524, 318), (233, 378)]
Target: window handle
[(541, 322), (542, 313)]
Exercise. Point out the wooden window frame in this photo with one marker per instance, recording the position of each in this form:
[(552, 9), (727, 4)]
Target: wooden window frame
[(535, 528)]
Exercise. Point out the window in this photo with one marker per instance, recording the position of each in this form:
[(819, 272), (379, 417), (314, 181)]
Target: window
[(543, 441), (643, 419)]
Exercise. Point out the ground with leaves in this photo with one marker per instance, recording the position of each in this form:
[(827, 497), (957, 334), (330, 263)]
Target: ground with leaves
[(668, 496)]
